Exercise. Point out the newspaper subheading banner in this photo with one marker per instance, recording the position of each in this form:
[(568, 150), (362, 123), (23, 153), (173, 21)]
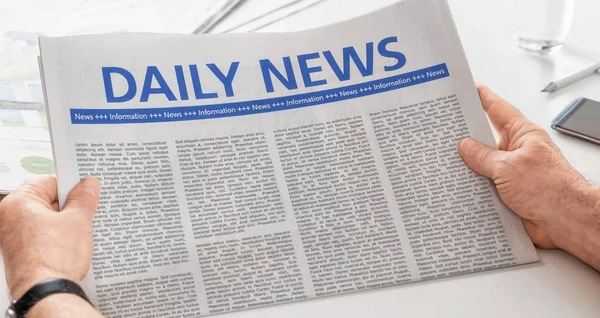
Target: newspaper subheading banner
[(168, 114)]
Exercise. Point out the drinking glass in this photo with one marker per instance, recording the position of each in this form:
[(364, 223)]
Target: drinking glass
[(540, 26)]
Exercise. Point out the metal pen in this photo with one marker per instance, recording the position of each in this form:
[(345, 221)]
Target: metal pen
[(572, 78)]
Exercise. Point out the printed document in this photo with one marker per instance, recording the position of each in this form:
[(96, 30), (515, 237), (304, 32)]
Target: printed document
[(25, 149), (243, 170)]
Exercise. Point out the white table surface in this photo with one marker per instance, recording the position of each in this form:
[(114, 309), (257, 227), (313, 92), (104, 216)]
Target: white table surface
[(558, 286)]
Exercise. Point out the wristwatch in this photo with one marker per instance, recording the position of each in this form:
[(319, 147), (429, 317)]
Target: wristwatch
[(19, 308)]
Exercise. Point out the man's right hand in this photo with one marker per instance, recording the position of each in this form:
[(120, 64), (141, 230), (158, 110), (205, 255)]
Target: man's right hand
[(558, 206)]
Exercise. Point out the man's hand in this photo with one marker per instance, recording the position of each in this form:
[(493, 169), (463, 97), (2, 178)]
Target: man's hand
[(535, 180), (38, 241)]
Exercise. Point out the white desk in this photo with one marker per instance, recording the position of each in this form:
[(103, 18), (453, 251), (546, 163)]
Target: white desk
[(560, 285)]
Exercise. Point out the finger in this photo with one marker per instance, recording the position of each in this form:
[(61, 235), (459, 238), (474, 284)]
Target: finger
[(479, 157), (500, 112), (43, 187), (83, 199)]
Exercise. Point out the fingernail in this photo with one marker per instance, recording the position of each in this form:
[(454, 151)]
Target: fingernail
[(467, 146), (91, 186)]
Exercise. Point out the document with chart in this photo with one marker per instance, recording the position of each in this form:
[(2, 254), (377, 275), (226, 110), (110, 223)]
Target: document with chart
[(244, 170)]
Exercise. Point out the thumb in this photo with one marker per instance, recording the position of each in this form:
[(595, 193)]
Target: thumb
[(479, 157), (84, 197)]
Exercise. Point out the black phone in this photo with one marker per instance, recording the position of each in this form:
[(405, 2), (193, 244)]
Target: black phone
[(580, 119)]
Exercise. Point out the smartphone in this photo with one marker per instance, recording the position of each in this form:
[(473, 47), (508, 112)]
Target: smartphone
[(580, 119)]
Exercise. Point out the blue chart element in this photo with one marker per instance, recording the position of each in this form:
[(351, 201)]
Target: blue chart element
[(166, 114)]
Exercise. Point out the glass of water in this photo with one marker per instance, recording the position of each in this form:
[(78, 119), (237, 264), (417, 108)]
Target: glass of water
[(541, 26)]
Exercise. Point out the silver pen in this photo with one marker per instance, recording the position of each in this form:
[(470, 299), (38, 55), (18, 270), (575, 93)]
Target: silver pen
[(572, 78)]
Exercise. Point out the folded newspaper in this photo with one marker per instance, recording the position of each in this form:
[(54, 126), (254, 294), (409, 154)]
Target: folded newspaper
[(245, 170), (25, 149)]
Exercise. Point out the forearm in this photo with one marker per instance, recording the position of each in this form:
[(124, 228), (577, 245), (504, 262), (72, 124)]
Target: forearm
[(63, 305), (577, 231)]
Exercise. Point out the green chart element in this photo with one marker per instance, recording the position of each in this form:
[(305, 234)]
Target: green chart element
[(38, 165)]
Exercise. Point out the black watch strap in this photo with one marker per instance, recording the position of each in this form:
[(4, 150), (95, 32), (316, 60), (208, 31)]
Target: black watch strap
[(19, 308)]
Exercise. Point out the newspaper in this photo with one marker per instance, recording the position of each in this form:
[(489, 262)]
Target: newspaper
[(244, 170), (25, 149)]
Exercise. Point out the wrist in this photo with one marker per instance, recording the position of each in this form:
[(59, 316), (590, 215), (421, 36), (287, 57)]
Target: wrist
[(20, 283), (580, 217)]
